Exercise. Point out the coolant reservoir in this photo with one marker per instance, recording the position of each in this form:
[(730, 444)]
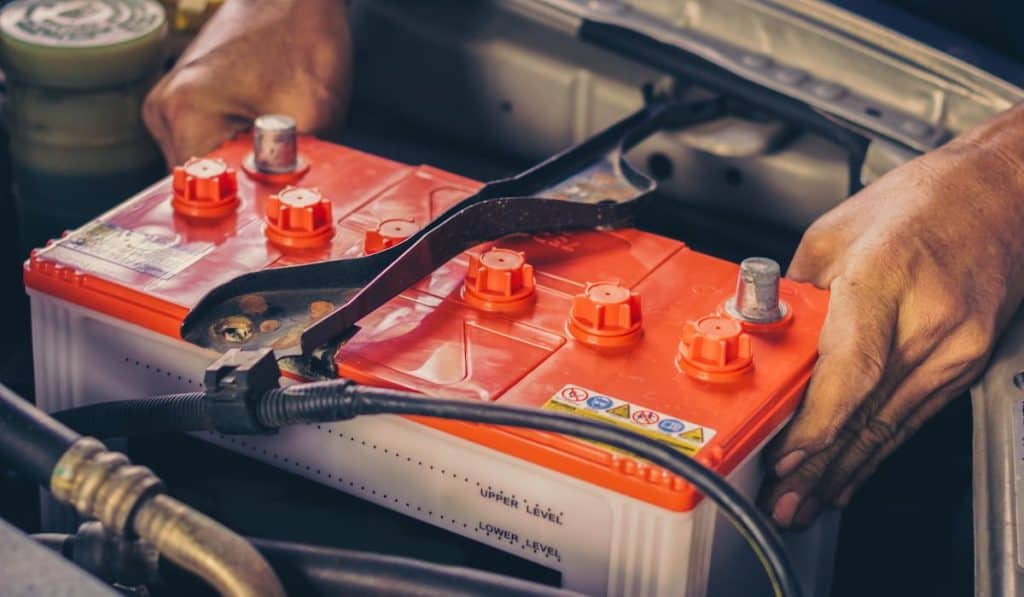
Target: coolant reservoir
[(77, 74)]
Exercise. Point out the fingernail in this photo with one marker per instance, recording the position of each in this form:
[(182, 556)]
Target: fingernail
[(789, 462), (808, 512), (785, 509), (845, 496)]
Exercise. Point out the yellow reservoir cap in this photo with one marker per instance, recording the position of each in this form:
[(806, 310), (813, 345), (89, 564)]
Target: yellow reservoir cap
[(82, 44), (188, 16)]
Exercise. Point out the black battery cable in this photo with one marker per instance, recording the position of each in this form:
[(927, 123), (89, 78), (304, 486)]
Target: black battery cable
[(341, 400)]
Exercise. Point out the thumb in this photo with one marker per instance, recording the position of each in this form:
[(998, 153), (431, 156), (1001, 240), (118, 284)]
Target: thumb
[(853, 350)]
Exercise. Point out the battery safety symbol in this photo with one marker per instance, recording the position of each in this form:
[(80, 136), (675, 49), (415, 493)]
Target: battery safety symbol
[(686, 436), (575, 394), (671, 425), (645, 417), (696, 434), (621, 410)]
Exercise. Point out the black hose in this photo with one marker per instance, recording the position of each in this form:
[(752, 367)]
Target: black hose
[(30, 441), (339, 400), (58, 542), (326, 571), (156, 414), (310, 570)]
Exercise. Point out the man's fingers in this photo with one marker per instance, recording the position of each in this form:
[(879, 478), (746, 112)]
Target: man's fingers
[(188, 115), (925, 411), (785, 498), (935, 402), (946, 365), (153, 117), (854, 350), (202, 133), (888, 426)]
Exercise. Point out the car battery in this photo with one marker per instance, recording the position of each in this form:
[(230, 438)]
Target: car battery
[(618, 325)]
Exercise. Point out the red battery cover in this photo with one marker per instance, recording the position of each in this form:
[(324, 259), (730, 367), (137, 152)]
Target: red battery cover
[(598, 323)]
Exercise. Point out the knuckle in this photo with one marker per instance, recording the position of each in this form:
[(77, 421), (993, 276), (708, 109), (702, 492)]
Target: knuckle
[(175, 95), (868, 364), (945, 310), (812, 470), (876, 432), (151, 106), (816, 245), (974, 341)]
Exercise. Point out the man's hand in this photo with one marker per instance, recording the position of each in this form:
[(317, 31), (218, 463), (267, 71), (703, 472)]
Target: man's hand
[(253, 57), (925, 266)]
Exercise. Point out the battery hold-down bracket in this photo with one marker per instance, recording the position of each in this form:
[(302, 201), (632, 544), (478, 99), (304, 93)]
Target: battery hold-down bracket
[(589, 185), (234, 384)]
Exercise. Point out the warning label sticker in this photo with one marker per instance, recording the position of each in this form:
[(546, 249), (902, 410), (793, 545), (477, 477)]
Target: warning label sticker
[(137, 251), (685, 436)]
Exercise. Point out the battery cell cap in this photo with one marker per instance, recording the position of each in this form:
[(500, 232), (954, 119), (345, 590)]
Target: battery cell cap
[(606, 315), (715, 349), (499, 280), (204, 188), (388, 234), (299, 218)]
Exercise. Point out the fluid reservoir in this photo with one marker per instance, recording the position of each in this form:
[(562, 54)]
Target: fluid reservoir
[(77, 73)]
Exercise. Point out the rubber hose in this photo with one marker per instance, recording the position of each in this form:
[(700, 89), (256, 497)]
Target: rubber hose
[(156, 414), (315, 571), (30, 441)]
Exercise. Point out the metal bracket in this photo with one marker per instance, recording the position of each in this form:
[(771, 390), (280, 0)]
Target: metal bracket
[(587, 186), (599, 18)]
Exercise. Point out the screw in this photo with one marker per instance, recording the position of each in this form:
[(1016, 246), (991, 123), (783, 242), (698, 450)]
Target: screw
[(274, 146), (829, 91), (234, 329), (757, 292), (791, 76), (756, 61)]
